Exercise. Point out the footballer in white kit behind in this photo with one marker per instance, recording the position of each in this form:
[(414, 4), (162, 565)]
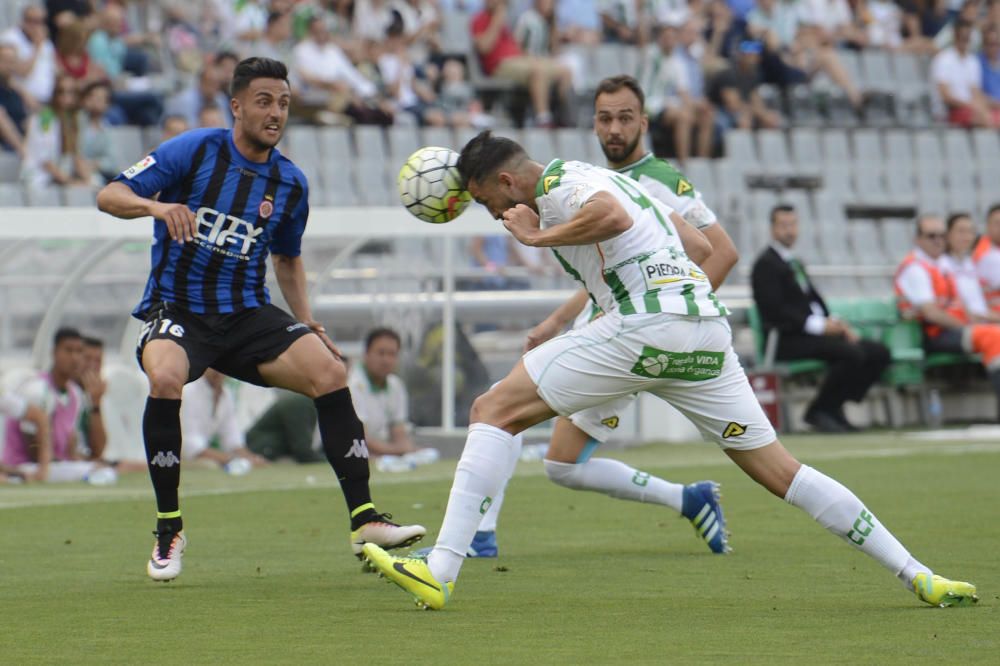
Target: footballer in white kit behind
[(664, 331)]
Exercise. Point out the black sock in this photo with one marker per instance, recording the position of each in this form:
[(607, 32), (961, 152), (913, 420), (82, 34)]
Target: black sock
[(161, 431), (343, 438)]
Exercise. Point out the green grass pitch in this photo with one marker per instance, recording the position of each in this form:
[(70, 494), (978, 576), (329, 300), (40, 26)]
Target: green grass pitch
[(581, 578)]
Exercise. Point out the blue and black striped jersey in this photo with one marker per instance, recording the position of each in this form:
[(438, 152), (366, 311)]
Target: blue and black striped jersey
[(244, 210)]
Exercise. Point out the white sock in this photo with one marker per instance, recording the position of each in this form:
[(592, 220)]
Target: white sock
[(615, 478), (839, 510), (481, 473), (489, 521)]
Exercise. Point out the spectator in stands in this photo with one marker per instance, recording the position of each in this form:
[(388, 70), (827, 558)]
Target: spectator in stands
[(276, 42), (736, 93), (723, 35), (928, 294), (173, 125), (13, 110), (211, 116), (380, 396), (124, 66), (249, 23), (968, 12), (986, 256), (225, 64), (579, 22), (96, 144), (494, 254), (501, 57), (36, 67), (832, 23), (13, 406), (72, 58), (93, 437), (208, 416), (458, 98), (957, 262), (792, 55), (189, 102), (789, 304), (621, 21), (957, 79), (67, 12), (287, 429), (51, 454), (411, 94), (538, 35), (326, 72), (664, 77), (52, 143), (372, 18), (989, 61)]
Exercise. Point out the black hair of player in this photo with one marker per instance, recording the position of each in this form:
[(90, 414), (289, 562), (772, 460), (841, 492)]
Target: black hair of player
[(780, 208), (256, 68), (993, 209), (484, 155), (89, 341), (381, 332), (955, 217), (66, 333), (613, 84)]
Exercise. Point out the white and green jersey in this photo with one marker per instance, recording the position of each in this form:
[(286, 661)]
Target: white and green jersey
[(643, 269), (669, 185)]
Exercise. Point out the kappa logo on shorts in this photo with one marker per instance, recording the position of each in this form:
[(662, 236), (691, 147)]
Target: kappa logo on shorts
[(610, 422), (734, 429)]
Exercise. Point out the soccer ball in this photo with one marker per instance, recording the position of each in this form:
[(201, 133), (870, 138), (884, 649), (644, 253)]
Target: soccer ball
[(430, 186)]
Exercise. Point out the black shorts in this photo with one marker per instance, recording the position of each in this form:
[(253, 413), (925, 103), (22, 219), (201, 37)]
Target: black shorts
[(234, 343)]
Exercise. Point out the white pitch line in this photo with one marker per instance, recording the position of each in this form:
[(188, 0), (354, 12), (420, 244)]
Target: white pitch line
[(90, 495)]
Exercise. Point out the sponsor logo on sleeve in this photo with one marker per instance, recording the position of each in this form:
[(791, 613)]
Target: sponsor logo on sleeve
[(139, 167)]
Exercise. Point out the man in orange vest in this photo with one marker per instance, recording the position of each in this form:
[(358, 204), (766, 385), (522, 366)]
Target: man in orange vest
[(927, 293), (986, 256)]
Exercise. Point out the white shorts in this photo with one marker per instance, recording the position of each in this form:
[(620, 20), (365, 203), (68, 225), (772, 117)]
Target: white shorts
[(686, 361), (600, 422)]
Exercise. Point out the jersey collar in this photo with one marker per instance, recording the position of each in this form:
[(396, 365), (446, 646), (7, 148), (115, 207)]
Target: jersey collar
[(642, 160)]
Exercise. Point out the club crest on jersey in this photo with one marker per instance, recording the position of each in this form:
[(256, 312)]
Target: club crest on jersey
[(266, 208), (139, 167), (683, 187)]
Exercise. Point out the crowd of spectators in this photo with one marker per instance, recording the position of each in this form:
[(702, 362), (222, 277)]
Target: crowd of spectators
[(70, 68)]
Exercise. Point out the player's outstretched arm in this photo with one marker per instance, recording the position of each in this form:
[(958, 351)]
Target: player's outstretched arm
[(119, 200), (724, 255), (696, 246), (290, 273), (601, 217)]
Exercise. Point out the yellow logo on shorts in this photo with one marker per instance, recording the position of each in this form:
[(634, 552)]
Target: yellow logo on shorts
[(734, 429), (611, 422)]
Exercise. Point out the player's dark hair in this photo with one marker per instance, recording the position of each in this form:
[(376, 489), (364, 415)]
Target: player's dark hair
[(780, 208), (66, 333), (955, 217), (89, 341), (993, 209), (484, 155), (256, 68), (381, 332), (613, 84)]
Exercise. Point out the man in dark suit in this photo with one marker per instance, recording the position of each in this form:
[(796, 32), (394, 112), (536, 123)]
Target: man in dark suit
[(788, 302)]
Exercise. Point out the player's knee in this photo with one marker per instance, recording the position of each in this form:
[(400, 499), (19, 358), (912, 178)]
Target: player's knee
[(327, 376), (166, 382), (564, 474)]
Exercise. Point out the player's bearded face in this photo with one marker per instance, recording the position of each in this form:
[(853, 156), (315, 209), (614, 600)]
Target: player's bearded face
[(263, 111), (619, 124)]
